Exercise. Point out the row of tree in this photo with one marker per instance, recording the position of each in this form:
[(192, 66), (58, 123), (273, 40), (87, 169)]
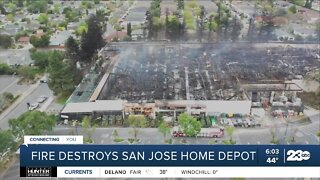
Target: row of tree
[(175, 24), (5, 41), (29, 123), (61, 77)]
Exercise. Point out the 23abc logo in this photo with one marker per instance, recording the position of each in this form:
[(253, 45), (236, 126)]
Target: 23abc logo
[(298, 155)]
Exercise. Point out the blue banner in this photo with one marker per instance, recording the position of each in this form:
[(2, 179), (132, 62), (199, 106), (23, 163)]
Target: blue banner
[(169, 155)]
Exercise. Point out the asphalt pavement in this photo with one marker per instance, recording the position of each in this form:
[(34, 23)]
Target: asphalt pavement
[(9, 83), (20, 105), (15, 56)]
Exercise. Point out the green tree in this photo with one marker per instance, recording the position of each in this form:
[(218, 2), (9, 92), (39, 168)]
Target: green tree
[(212, 26), (189, 125), (81, 29), (32, 123), (274, 140), (115, 133), (27, 72), (164, 129), (230, 131), (136, 122), (41, 59), (87, 4), (7, 141), (60, 74), (129, 29), (5, 69), (180, 4), (236, 29), (72, 49), (12, 7), (293, 9), (56, 8), (10, 17), (19, 3), (6, 41), (308, 4), (72, 52), (92, 39), (43, 18), (2, 9), (201, 22), (9, 96), (173, 28), (40, 42), (88, 128), (39, 6)]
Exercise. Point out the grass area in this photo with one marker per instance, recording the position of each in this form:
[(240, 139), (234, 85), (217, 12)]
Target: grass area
[(118, 139), (213, 141), (169, 141), (8, 103), (189, 19), (132, 140), (62, 98), (87, 140), (229, 142), (310, 99)]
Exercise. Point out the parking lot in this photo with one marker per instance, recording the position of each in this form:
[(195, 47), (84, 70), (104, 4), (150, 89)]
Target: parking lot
[(137, 13), (209, 6)]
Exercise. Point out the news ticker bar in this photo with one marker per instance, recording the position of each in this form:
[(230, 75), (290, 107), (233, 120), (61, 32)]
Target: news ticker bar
[(169, 155), (171, 172)]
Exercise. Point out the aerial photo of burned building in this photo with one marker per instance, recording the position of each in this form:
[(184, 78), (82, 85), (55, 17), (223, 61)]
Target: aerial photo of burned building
[(201, 79)]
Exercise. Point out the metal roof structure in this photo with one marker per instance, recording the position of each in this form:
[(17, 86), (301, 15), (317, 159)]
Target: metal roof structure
[(89, 107)]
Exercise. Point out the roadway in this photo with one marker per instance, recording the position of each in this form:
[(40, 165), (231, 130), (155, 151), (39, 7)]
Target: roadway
[(30, 94), (9, 83)]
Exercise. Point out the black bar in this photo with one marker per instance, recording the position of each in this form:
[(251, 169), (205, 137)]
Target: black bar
[(53, 171), (23, 172)]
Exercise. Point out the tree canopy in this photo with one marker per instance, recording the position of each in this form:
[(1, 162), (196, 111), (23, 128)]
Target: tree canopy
[(72, 49), (92, 39), (5, 41), (43, 18), (189, 125), (7, 141), (32, 123), (164, 129), (40, 42), (136, 121), (60, 74), (39, 6)]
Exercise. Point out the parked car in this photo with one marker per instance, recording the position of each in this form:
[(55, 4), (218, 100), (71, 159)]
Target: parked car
[(33, 106), (42, 99), (234, 122), (178, 134), (43, 81), (240, 122)]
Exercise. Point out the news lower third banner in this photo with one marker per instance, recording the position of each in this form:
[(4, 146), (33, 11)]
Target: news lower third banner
[(143, 161)]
